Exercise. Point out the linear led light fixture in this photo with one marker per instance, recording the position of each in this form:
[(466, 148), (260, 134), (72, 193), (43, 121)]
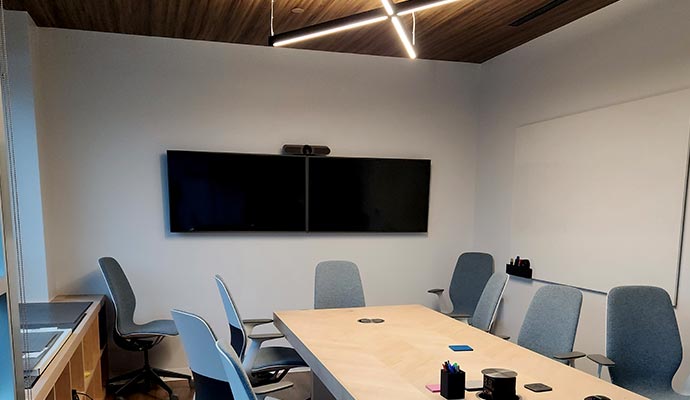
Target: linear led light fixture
[(413, 6), (388, 7), (390, 11), (403, 37), (327, 28)]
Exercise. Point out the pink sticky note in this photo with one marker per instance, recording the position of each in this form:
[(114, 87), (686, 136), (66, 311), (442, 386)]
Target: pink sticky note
[(434, 387)]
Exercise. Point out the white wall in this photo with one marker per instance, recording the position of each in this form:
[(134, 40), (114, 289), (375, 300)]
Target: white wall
[(21, 34), (629, 50), (109, 106)]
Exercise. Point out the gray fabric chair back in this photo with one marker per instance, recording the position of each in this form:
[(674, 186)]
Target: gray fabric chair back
[(238, 336), (472, 271), (642, 338), (121, 294), (337, 284), (485, 312), (551, 322), (239, 381)]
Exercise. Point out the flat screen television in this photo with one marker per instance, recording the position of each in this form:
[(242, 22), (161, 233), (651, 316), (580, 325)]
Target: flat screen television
[(236, 192), (368, 194)]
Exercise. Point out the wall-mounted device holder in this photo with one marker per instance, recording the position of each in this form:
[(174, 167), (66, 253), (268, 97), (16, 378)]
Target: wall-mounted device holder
[(519, 267), (306, 150)]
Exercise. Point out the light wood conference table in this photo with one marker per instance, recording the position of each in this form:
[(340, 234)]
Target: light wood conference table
[(397, 358)]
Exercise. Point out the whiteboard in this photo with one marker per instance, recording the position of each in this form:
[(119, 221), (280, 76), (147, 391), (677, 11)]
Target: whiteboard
[(598, 197)]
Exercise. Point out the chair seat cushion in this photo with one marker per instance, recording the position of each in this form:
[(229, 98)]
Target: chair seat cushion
[(160, 327), (271, 358)]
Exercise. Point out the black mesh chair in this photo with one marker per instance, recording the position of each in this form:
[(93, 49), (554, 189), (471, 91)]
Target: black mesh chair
[(131, 336)]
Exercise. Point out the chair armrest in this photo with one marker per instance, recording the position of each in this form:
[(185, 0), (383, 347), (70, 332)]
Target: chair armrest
[(262, 337), (601, 360), (573, 355), (504, 337), (435, 291), (257, 321), (272, 387), (459, 316), (250, 324)]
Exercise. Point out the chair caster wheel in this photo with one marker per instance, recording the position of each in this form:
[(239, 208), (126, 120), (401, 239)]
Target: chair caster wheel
[(173, 397)]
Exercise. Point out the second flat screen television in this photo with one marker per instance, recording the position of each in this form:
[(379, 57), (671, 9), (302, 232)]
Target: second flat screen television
[(368, 194)]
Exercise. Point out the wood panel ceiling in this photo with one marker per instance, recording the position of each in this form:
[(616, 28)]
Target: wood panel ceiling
[(467, 30)]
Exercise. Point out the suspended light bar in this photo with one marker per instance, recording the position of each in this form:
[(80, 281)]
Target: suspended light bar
[(390, 11), (327, 28), (413, 6), (403, 37), (388, 7)]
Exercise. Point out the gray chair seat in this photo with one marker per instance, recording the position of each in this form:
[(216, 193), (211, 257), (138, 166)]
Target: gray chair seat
[(270, 358), (154, 328)]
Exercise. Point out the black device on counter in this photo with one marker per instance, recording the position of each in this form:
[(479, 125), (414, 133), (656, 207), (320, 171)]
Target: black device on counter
[(499, 384), (538, 387)]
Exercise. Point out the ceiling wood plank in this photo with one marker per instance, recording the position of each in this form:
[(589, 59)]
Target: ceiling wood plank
[(467, 30)]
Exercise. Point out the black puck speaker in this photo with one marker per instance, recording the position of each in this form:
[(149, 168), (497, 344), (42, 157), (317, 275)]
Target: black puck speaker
[(499, 384)]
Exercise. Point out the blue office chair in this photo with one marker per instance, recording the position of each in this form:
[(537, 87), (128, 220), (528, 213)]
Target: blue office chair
[(264, 365), (199, 342), (484, 314), (550, 325), (238, 379), (643, 342), (131, 336), (337, 284), (472, 272)]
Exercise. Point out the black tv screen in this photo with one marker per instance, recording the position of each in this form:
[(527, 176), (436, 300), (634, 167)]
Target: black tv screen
[(368, 195), (236, 192)]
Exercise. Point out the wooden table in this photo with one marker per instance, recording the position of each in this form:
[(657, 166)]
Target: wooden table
[(397, 358)]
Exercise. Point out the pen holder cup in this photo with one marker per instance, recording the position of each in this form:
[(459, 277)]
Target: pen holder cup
[(453, 385)]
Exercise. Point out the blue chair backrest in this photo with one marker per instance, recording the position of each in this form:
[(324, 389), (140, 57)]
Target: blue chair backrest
[(551, 321), (337, 284), (642, 338), (487, 307), (472, 271), (239, 382), (199, 344), (238, 336)]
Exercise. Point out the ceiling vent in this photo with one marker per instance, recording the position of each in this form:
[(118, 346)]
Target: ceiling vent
[(539, 11)]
